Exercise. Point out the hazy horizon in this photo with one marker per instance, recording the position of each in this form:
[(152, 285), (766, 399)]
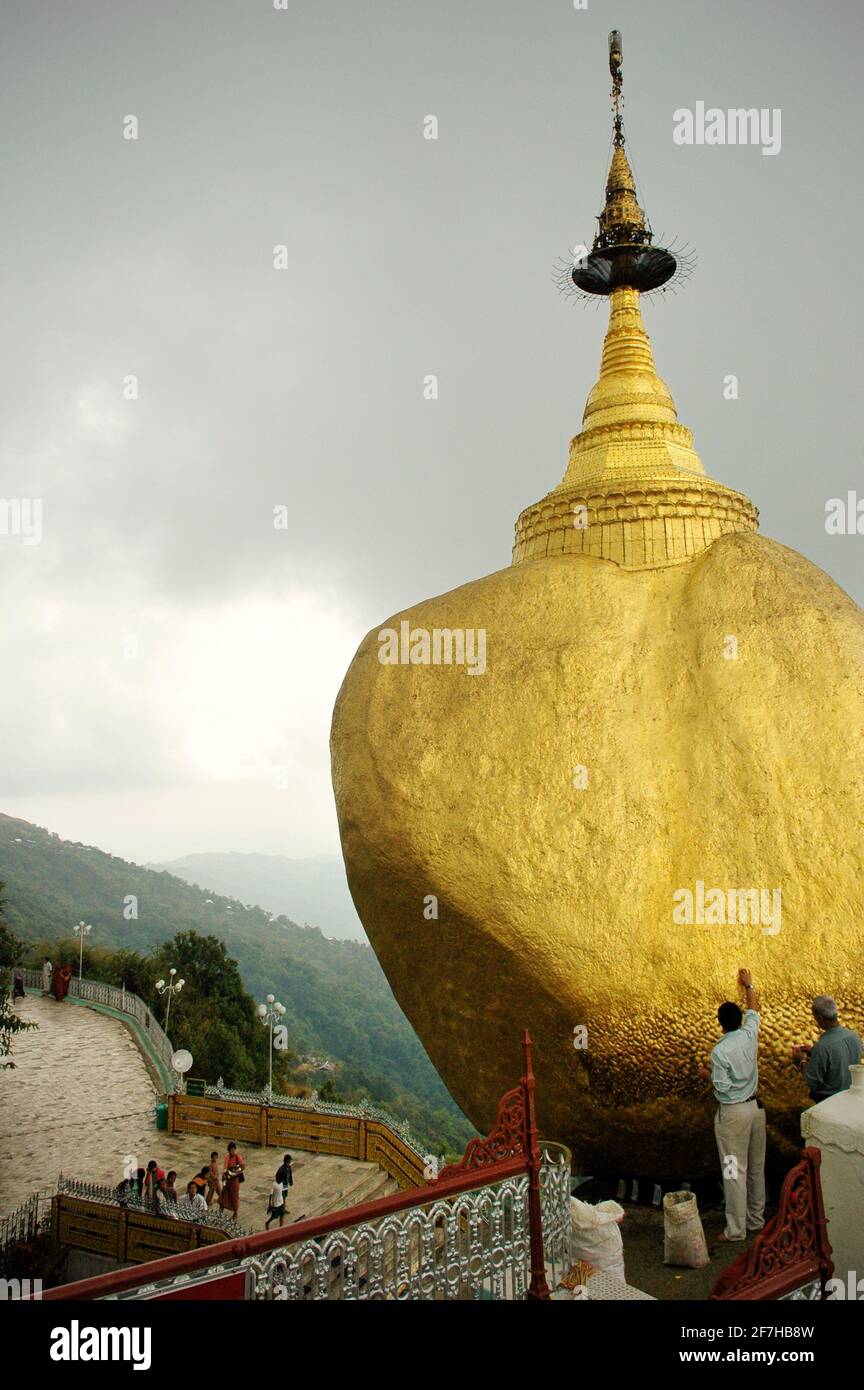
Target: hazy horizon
[(311, 892)]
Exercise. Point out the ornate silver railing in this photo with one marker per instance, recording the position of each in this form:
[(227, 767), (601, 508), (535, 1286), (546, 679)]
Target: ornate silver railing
[(472, 1245), (555, 1190), (124, 1002), (808, 1292), (27, 1221)]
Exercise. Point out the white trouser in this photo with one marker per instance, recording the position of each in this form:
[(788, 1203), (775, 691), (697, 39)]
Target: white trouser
[(740, 1133)]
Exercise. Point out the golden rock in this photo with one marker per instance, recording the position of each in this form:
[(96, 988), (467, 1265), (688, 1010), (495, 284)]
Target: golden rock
[(663, 703), (556, 901)]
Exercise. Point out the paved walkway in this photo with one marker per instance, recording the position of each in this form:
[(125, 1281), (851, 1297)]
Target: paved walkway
[(322, 1182), (80, 1102)]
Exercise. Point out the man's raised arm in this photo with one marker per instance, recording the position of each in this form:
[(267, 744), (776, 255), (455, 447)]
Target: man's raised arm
[(745, 980)]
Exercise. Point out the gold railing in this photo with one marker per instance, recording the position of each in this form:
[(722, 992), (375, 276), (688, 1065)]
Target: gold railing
[(369, 1141), (123, 1234)]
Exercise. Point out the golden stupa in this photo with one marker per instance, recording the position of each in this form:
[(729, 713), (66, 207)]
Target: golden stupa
[(654, 775)]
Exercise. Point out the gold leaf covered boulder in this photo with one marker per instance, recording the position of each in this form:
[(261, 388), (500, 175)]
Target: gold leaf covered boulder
[(646, 770)]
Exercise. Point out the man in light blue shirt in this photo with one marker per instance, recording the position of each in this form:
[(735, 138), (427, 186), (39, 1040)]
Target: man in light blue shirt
[(739, 1125)]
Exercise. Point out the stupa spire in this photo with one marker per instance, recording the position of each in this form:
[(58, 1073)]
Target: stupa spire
[(622, 219), (630, 427), (635, 490), (622, 215), (623, 252)]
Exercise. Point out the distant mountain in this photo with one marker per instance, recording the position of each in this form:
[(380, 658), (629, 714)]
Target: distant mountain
[(311, 891), (339, 1004)]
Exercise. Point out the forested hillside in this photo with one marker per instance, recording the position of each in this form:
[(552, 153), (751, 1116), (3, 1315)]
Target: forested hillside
[(337, 998), (313, 891)]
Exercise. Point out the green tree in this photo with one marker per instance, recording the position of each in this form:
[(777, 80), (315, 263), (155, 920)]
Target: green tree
[(11, 954), (328, 1092), (213, 1016)]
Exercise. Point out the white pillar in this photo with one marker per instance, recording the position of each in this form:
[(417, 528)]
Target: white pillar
[(836, 1126)]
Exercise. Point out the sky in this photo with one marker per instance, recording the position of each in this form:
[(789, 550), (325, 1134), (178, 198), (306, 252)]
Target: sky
[(169, 657)]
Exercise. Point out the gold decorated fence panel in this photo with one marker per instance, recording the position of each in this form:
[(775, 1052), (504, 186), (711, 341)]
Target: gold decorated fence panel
[(230, 1119), (121, 1234), (80, 1225), (281, 1126), (391, 1153), (327, 1134), (153, 1237)]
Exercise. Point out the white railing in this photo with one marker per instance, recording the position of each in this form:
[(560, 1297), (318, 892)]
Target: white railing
[(115, 997), (811, 1292), (124, 1002)]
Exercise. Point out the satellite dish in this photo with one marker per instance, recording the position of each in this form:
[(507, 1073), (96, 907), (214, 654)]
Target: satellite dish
[(181, 1060)]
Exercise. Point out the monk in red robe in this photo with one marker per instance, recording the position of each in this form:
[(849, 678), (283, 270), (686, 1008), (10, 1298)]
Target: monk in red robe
[(229, 1197), (60, 981)]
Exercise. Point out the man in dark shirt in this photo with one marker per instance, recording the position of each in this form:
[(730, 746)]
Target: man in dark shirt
[(285, 1175), (825, 1065)]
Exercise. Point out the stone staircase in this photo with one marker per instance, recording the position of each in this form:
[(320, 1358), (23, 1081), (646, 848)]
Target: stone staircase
[(325, 1183)]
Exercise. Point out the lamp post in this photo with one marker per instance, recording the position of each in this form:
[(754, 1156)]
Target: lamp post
[(268, 1014), (81, 930), (171, 987)]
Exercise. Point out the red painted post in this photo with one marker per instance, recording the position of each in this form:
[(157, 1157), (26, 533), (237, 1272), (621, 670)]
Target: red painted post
[(538, 1288), (791, 1249)]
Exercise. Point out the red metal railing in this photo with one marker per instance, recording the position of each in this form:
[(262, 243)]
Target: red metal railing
[(793, 1249), (512, 1148)]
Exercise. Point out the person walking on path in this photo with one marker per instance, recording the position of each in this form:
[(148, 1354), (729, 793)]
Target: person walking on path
[(47, 971), (276, 1202), (61, 976), (285, 1175), (214, 1186), (739, 1124), (825, 1064), (229, 1198)]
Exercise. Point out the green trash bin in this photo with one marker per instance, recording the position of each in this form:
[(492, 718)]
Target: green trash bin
[(162, 1115)]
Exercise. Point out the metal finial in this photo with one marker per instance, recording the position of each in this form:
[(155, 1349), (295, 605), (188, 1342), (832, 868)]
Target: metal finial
[(616, 58), (623, 254)]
